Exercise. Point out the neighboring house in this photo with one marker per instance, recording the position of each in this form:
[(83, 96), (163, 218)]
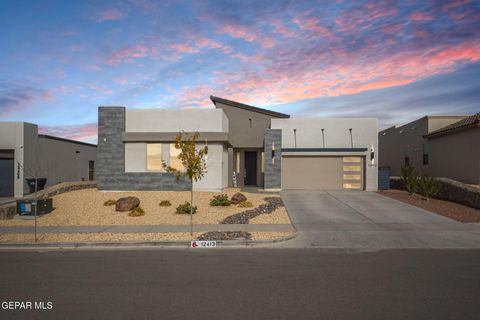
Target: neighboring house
[(24, 154), (443, 146), (248, 146)]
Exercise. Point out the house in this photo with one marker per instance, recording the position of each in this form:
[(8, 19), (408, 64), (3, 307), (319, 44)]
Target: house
[(248, 146), (443, 146), (25, 154)]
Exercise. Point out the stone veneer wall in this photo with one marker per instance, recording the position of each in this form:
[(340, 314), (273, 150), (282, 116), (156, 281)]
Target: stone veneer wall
[(450, 190), (273, 176), (111, 173)]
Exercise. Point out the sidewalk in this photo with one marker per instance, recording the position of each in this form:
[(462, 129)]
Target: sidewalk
[(153, 229)]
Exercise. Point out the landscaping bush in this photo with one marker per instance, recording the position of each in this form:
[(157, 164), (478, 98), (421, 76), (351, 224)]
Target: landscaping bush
[(164, 203), (428, 186), (245, 204), (410, 179), (109, 202), (137, 212), (185, 208), (220, 200)]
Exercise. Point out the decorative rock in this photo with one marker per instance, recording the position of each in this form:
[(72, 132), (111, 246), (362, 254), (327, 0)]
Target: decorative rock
[(226, 235), (237, 198), (127, 204), (243, 217)]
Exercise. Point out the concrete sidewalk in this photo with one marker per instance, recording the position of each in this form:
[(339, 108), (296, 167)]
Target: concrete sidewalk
[(153, 228)]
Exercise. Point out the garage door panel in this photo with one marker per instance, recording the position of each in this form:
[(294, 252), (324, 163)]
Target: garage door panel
[(317, 172)]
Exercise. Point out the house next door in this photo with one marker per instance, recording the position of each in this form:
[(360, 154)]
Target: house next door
[(250, 168)]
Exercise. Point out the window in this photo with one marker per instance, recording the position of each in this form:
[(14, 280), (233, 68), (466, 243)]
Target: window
[(154, 157), (407, 156), (407, 161), (351, 168), (174, 162), (237, 169), (425, 154), (352, 185), (351, 177), (352, 159), (91, 170)]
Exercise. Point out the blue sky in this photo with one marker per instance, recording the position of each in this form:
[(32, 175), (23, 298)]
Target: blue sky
[(393, 60)]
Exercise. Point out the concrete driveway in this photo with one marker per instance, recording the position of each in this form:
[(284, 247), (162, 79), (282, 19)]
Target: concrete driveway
[(368, 220)]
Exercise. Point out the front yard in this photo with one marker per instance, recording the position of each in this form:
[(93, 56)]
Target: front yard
[(86, 208)]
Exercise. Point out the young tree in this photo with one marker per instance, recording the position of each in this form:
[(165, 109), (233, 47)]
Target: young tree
[(194, 163)]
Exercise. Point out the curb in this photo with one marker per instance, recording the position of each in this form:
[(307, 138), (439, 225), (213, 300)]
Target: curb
[(139, 244)]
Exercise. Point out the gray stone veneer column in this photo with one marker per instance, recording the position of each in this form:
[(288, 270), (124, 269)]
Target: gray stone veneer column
[(273, 178), (111, 173)]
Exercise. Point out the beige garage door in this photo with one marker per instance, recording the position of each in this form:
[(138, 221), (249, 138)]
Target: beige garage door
[(315, 172)]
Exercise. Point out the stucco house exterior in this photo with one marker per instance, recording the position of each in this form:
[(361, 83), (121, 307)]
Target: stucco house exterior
[(443, 146), (25, 154), (248, 146)]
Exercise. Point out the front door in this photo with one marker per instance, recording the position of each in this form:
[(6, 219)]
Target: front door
[(7, 173), (250, 168)]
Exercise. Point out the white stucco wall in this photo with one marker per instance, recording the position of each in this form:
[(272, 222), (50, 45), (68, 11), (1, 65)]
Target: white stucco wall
[(161, 120), (337, 135)]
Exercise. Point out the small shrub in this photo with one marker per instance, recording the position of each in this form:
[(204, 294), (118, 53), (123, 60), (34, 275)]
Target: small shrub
[(185, 208), (164, 203), (220, 200), (109, 202), (137, 212), (428, 186), (410, 179), (245, 204)]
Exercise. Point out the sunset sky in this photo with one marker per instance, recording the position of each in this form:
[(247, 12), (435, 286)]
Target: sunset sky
[(60, 60)]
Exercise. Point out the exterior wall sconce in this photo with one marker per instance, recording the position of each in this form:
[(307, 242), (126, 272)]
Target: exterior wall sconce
[(372, 155), (295, 138), (351, 137), (323, 137), (273, 152)]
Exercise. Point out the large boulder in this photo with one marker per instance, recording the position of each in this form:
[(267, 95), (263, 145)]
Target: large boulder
[(127, 204), (237, 198)]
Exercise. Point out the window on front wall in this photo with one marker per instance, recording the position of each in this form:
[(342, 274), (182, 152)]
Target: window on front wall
[(262, 164), (237, 162), (425, 154), (154, 157), (174, 162)]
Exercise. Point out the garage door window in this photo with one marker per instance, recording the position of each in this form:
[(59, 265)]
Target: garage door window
[(352, 168), (352, 172), (352, 185), (352, 177)]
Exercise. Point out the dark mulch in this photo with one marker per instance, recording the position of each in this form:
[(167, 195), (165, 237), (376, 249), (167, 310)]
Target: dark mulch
[(226, 235), (266, 208), (445, 208)]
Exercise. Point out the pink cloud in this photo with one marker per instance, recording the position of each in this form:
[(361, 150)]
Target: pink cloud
[(109, 14), (312, 25), (420, 16), (120, 81), (84, 132), (248, 34), (199, 44), (16, 98), (127, 54)]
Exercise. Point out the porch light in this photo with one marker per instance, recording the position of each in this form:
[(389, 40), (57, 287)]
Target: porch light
[(273, 152), (372, 155)]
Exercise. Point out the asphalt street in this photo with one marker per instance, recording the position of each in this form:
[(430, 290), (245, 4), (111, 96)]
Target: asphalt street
[(243, 284)]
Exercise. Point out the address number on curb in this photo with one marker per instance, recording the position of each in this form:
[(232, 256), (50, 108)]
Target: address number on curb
[(203, 244)]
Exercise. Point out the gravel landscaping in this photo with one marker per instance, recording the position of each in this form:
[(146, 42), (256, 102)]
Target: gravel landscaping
[(272, 204), (114, 237), (448, 209), (86, 208)]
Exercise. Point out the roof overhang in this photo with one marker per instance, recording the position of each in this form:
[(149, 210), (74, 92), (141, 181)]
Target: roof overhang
[(220, 137)]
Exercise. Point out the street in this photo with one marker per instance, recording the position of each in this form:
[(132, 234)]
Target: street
[(243, 284)]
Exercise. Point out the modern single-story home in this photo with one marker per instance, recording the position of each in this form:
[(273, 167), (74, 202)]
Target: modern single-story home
[(247, 146), (443, 146), (25, 154)]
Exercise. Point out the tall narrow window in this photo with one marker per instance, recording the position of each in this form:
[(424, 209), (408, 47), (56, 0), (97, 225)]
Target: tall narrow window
[(237, 167), (174, 162), (91, 170), (154, 157), (425, 154), (262, 164)]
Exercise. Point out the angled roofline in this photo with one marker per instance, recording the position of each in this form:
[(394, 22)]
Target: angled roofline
[(248, 107), (472, 121), (46, 136)]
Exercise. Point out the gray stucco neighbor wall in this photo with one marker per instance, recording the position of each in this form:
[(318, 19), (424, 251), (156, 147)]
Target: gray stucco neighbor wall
[(111, 173), (273, 172)]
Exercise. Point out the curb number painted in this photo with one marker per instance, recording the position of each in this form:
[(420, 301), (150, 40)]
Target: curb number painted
[(203, 244)]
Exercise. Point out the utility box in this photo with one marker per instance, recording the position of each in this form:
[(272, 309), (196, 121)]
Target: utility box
[(27, 207), (383, 178)]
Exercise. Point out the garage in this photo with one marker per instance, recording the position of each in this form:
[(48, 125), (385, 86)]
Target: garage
[(322, 172)]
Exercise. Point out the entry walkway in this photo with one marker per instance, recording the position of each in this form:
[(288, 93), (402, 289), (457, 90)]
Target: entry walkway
[(153, 228)]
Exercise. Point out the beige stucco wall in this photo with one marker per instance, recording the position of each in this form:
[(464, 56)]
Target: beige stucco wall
[(456, 156), (396, 142)]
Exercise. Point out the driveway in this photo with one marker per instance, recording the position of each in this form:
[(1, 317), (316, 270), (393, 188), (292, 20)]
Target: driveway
[(368, 220)]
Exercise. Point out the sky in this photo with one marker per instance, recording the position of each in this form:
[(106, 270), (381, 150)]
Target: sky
[(394, 60)]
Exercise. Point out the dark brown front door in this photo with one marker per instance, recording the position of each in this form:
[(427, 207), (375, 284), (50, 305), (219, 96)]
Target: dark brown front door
[(250, 168)]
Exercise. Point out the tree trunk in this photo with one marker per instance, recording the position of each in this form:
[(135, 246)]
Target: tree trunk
[(191, 211)]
